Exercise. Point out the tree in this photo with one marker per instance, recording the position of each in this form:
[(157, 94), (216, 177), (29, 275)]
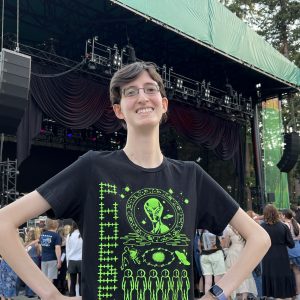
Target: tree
[(278, 21)]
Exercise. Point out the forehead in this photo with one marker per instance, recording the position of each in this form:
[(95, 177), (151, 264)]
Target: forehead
[(141, 80)]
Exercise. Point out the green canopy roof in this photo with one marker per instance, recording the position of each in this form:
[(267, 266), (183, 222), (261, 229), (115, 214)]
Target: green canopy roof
[(212, 25)]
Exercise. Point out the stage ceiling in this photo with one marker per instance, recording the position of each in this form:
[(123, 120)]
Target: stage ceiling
[(199, 39)]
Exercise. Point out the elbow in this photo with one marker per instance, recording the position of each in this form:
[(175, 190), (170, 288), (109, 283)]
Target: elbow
[(265, 241)]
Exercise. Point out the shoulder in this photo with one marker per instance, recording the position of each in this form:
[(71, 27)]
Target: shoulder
[(181, 164)]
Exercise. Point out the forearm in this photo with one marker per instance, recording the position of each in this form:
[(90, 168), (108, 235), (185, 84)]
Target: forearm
[(13, 252), (58, 254), (16, 256), (255, 248)]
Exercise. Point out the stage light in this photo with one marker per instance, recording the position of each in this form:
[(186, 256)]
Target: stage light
[(179, 83), (117, 61), (207, 93), (227, 100), (92, 65), (185, 95)]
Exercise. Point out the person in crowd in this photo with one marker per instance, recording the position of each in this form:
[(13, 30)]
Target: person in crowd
[(135, 206), (212, 258), (50, 243), (294, 253), (8, 281), (74, 258), (235, 244), (61, 281), (198, 276), (277, 276), (296, 210), (33, 249)]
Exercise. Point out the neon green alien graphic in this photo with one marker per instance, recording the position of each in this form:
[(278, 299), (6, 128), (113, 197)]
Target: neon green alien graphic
[(141, 284), (185, 285), (153, 284), (154, 210), (165, 284), (129, 253), (128, 284)]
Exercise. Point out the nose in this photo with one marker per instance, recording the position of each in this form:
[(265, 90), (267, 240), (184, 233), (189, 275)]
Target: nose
[(142, 96)]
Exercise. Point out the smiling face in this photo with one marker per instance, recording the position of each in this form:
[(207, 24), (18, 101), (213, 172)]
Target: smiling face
[(144, 109)]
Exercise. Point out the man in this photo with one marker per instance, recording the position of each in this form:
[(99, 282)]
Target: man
[(50, 243)]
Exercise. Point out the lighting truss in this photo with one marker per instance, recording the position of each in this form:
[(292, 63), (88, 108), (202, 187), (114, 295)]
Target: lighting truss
[(103, 61), (229, 103), (8, 191)]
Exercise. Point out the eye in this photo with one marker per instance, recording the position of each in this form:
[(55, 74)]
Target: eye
[(151, 89), (129, 92)]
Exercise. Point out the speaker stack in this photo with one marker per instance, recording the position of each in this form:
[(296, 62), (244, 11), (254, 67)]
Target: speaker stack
[(15, 70), (290, 153)]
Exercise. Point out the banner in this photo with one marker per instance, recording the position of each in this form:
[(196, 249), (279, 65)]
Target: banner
[(276, 183)]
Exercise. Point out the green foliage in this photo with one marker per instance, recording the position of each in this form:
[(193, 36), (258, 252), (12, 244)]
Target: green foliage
[(277, 21)]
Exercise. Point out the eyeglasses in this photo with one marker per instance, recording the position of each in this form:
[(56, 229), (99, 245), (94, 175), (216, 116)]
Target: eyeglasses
[(149, 89)]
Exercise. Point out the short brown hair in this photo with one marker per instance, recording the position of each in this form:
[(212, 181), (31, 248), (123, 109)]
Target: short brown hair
[(52, 224), (130, 73), (271, 214)]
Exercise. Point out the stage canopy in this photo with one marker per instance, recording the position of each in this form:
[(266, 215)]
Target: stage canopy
[(212, 25), (200, 39)]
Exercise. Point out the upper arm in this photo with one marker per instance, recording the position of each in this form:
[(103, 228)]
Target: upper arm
[(245, 225), (23, 209)]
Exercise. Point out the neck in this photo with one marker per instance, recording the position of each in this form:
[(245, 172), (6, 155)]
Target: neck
[(144, 149)]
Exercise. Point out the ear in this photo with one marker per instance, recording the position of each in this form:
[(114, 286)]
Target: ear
[(118, 111), (165, 103)]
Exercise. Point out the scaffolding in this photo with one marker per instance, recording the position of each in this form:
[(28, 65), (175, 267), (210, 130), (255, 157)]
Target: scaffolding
[(8, 189)]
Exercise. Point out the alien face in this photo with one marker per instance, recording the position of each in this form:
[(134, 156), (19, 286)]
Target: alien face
[(153, 209)]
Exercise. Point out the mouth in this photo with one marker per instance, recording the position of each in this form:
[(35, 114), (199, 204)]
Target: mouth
[(144, 110)]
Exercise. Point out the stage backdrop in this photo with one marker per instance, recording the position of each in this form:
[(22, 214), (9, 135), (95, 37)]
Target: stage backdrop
[(275, 181)]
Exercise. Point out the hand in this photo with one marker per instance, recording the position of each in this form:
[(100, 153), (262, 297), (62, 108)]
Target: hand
[(58, 265), (62, 297)]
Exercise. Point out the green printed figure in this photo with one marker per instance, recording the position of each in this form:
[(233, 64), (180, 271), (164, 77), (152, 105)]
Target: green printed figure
[(176, 284), (165, 284), (185, 285), (141, 284), (153, 284), (182, 257), (154, 210), (128, 284), (129, 253)]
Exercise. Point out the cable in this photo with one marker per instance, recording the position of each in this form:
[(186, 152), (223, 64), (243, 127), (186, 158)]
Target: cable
[(18, 17), (2, 25), (58, 74)]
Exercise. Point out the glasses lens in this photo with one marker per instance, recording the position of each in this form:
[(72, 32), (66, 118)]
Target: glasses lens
[(151, 89), (130, 91)]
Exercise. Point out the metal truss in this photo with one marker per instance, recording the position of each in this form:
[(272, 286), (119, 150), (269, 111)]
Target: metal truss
[(228, 104), (103, 61), (8, 191)]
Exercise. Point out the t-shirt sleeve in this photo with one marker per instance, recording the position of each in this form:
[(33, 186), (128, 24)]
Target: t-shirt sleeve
[(215, 207), (66, 190)]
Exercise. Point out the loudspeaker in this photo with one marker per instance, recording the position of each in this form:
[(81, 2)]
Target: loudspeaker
[(290, 153), (15, 70), (271, 197)]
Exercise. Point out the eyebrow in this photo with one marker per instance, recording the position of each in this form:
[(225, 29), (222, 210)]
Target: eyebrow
[(134, 86)]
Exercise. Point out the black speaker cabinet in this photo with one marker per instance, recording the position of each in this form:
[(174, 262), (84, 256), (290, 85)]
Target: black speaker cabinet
[(15, 70), (271, 197), (290, 153)]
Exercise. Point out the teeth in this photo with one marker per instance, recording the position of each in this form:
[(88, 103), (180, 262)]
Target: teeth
[(144, 110)]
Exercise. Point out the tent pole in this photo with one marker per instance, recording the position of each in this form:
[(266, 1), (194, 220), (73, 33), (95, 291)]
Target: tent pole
[(258, 163)]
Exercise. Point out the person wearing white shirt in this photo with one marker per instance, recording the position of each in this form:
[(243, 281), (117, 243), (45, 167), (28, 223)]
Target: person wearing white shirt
[(74, 257)]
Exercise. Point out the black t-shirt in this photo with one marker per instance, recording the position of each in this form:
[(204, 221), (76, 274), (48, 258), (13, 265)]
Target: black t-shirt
[(137, 224)]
